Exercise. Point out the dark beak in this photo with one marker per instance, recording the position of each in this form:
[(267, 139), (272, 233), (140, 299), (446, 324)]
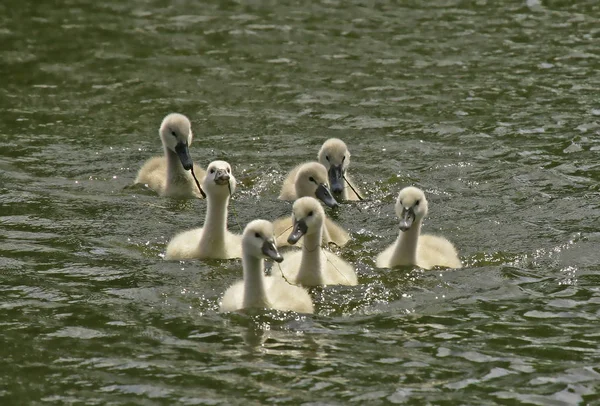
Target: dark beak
[(336, 178), (222, 177), (299, 230), (408, 216), (269, 249), (324, 195), (184, 155)]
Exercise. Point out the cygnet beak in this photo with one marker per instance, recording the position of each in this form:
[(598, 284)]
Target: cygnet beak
[(407, 218), (299, 230), (336, 178), (269, 249), (324, 195), (222, 177), (182, 151)]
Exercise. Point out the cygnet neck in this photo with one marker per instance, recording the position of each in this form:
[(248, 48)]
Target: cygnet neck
[(406, 245), (311, 264), (175, 169), (255, 294), (344, 194), (215, 222)]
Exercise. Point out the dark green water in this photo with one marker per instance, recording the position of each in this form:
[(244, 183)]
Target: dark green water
[(492, 107)]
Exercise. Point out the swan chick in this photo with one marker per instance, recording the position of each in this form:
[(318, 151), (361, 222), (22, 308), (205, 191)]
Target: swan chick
[(335, 156), (310, 179), (412, 248), (257, 290), (213, 240), (171, 175), (313, 265)]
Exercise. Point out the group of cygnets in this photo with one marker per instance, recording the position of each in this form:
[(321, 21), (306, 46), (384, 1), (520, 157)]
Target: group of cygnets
[(308, 185)]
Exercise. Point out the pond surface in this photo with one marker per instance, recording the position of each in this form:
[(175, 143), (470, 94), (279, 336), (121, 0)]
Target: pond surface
[(491, 107)]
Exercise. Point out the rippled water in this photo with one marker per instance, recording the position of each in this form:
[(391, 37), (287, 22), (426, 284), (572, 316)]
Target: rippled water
[(491, 107)]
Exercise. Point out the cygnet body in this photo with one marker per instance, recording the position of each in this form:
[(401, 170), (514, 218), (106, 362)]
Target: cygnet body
[(257, 290), (310, 181), (171, 174), (313, 265), (412, 248), (213, 240)]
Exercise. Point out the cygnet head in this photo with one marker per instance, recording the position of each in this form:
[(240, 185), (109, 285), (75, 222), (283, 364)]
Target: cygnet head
[(176, 134), (334, 155), (258, 240), (219, 180), (311, 180), (307, 216), (411, 206)]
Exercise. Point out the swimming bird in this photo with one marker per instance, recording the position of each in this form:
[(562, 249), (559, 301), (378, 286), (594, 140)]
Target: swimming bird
[(257, 290), (213, 240), (173, 174), (412, 248), (311, 180), (335, 156), (313, 265)]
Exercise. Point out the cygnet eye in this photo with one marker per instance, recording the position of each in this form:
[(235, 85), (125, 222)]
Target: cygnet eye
[(173, 133), (327, 157), (212, 170), (343, 158), (257, 235), (312, 179), (228, 170), (310, 213), (417, 202)]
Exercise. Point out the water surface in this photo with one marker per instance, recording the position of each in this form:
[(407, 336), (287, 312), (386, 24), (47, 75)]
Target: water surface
[(490, 107)]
